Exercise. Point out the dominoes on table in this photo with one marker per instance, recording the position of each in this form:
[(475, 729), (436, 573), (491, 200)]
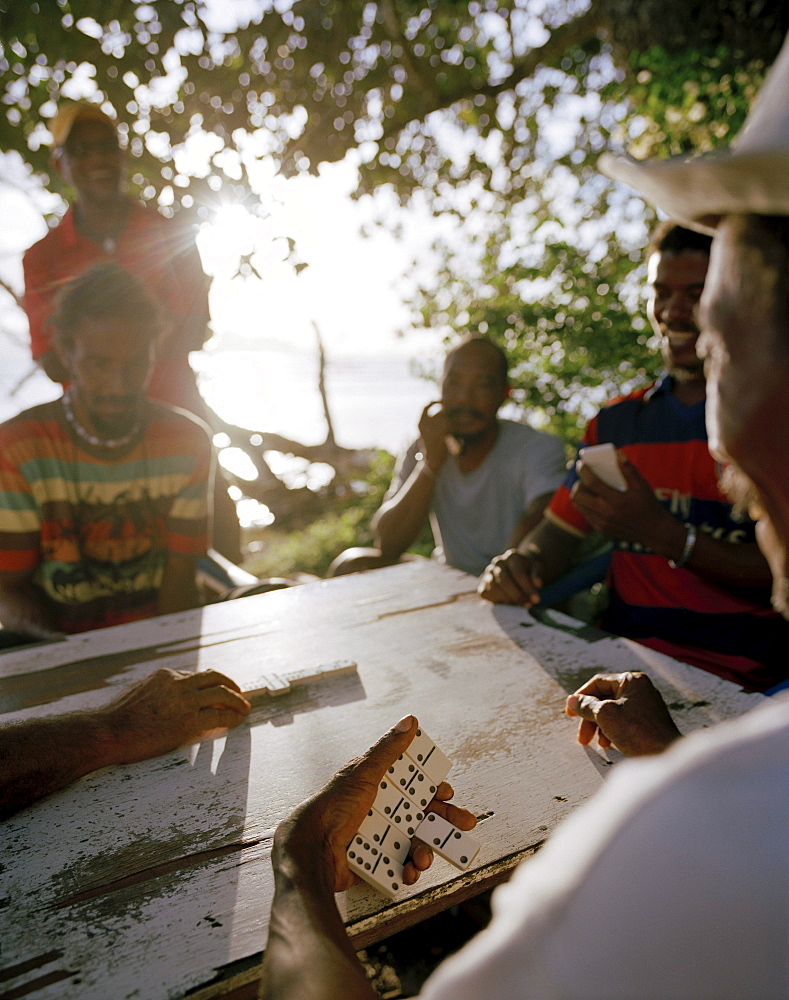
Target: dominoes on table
[(273, 683), (380, 848)]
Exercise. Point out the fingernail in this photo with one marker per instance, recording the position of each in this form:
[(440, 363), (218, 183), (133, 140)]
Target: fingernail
[(404, 724), (572, 704)]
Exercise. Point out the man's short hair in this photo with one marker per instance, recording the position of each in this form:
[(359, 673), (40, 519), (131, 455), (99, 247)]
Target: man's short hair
[(669, 237), (103, 292), (478, 338)]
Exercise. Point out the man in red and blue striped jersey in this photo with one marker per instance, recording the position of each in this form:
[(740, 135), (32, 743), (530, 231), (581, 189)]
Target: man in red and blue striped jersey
[(104, 494), (686, 575)]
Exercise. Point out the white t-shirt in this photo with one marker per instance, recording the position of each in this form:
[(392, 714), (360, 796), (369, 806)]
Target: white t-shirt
[(671, 884), (473, 514)]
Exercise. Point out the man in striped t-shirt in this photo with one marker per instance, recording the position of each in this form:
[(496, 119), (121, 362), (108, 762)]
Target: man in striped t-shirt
[(103, 493)]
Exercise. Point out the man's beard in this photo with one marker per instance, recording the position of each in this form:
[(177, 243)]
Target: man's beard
[(686, 373), (469, 439), (739, 489), (745, 497), (115, 425)]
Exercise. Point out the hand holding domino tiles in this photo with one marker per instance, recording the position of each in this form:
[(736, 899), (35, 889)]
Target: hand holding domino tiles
[(631, 515), (319, 832)]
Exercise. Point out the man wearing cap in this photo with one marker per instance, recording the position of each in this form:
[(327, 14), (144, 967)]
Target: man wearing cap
[(674, 880), (105, 226), (686, 576)]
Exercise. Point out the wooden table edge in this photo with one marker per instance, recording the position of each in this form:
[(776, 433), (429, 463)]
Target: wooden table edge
[(239, 980)]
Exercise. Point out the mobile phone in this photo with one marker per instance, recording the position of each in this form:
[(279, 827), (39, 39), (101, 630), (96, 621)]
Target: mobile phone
[(601, 459)]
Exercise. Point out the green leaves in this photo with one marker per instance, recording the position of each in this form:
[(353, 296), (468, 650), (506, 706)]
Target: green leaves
[(494, 112)]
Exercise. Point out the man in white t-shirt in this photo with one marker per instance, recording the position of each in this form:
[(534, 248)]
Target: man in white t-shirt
[(673, 882), (482, 481)]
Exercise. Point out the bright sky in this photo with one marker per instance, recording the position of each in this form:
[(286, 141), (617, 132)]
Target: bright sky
[(351, 287)]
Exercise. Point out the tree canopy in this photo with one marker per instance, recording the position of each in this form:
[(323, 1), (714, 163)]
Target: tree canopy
[(490, 112)]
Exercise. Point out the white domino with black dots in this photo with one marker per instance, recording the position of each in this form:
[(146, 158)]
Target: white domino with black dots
[(455, 846), (272, 684), (379, 850)]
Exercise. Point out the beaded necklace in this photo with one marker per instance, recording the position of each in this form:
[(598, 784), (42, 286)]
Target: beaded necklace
[(91, 439)]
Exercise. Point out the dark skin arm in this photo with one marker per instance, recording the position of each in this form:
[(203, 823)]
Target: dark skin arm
[(178, 591), (399, 520), (518, 575), (310, 867), (24, 609), (638, 516), (624, 711), (530, 520), (166, 710)]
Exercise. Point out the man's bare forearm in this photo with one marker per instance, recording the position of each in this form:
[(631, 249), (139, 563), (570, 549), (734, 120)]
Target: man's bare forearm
[(178, 591), (398, 522), (552, 547), (530, 520), (165, 710), (25, 609), (39, 756), (309, 955), (719, 561)]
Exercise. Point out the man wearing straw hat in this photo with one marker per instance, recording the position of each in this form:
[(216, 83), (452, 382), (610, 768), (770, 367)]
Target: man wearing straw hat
[(673, 882)]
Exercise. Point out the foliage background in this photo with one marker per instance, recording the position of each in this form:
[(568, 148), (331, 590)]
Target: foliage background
[(488, 113)]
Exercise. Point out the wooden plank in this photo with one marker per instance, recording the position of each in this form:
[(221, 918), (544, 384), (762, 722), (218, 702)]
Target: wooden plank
[(149, 880)]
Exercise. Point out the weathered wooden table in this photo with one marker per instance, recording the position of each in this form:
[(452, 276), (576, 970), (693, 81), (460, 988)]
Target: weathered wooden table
[(153, 880)]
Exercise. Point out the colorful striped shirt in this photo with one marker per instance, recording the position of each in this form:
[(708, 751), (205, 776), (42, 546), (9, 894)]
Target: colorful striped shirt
[(730, 631), (93, 535)]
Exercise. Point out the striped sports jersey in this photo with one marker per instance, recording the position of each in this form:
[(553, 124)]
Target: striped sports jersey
[(94, 534), (729, 631)]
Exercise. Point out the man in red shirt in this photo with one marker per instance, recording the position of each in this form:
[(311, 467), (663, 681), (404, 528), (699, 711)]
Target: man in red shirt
[(105, 226), (686, 575)]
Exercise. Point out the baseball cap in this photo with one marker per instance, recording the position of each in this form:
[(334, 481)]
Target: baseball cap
[(69, 114), (750, 177)]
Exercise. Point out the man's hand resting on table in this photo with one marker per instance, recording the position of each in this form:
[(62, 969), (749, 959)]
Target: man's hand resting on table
[(168, 709), (309, 955), (625, 711), (512, 578), (155, 715)]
